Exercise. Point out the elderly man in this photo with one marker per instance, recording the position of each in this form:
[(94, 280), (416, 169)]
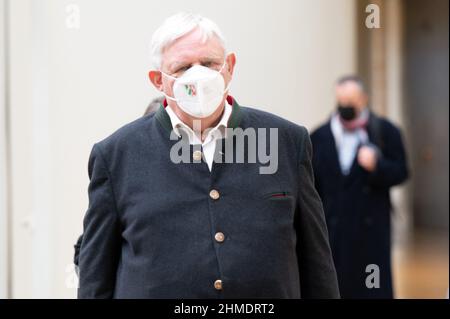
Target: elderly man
[(357, 158), (207, 228)]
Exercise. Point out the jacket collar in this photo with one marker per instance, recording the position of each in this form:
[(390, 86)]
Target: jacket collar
[(233, 122)]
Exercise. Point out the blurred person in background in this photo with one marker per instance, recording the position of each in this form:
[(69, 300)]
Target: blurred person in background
[(154, 105), (357, 158)]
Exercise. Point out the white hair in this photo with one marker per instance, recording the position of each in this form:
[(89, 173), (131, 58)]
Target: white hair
[(177, 26)]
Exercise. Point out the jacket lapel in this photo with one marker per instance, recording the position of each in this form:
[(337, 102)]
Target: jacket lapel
[(333, 159)]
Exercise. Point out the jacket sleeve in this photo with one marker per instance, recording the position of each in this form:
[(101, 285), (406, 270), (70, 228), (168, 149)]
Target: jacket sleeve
[(391, 168), (315, 165), (100, 248), (318, 278)]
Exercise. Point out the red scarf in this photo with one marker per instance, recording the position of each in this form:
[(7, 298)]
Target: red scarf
[(360, 122)]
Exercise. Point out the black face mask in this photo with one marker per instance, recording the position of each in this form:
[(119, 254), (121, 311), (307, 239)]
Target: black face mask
[(347, 112)]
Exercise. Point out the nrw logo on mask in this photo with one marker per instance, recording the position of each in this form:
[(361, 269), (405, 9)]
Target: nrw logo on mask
[(191, 89)]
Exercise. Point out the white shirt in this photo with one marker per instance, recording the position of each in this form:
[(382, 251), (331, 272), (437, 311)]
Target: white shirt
[(211, 135), (347, 142)]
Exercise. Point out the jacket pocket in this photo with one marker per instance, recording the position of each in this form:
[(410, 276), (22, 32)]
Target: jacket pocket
[(282, 195)]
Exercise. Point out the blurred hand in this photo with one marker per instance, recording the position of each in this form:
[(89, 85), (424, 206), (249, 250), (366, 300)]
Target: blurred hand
[(367, 158)]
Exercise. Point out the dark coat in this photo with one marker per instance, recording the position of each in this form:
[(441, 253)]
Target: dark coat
[(150, 228), (358, 207)]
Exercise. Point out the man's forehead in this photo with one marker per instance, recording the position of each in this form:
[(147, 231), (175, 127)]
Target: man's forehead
[(193, 47), (348, 88)]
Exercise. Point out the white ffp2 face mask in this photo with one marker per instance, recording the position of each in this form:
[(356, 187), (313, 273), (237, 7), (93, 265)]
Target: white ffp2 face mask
[(199, 91)]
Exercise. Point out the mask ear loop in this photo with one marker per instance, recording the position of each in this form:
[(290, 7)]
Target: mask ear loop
[(171, 77), (229, 83)]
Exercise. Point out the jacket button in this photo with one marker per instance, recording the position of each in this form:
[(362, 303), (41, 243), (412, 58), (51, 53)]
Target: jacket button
[(218, 284), (214, 194), (197, 155), (220, 237)]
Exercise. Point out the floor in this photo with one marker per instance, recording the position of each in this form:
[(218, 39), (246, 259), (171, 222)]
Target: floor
[(421, 267)]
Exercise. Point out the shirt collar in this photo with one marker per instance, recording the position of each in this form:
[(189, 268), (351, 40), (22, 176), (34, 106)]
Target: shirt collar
[(209, 133)]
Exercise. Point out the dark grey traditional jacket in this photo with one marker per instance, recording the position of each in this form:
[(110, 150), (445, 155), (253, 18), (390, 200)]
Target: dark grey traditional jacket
[(151, 227)]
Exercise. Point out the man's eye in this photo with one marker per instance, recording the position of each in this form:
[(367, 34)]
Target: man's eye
[(212, 65), (182, 69)]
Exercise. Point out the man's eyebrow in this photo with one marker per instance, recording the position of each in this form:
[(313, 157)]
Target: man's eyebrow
[(178, 64), (212, 58)]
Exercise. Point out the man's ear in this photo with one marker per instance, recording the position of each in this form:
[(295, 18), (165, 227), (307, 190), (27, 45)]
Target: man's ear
[(156, 79), (231, 62), (365, 99)]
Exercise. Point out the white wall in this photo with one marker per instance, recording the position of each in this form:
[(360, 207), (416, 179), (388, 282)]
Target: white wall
[(73, 87), (4, 216)]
